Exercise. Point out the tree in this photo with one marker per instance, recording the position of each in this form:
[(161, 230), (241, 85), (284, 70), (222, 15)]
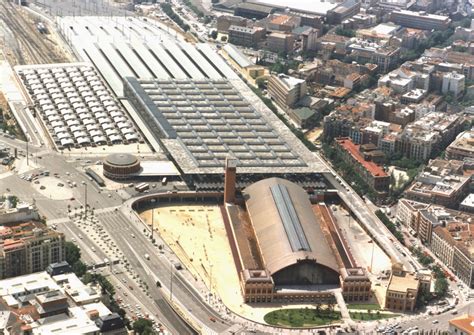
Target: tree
[(345, 32), (73, 253), (79, 268), (14, 201), (441, 286), (143, 326)]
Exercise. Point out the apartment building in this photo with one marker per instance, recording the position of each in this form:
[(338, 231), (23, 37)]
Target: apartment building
[(420, 20), (373, 174), (428, 135), (28, 247), (453, 243), (280, 42), (453, 83), (428, 223), (224, 22), (286, 91), (463, 147), (407, 213), (348, 121), (444, 190), (284, 23), (384, 56), (246, 36), (404, 79)]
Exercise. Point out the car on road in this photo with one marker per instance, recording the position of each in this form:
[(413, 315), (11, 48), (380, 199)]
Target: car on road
[(435, 322)]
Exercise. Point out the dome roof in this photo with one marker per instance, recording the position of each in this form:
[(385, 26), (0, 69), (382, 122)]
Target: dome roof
[(121, 159)]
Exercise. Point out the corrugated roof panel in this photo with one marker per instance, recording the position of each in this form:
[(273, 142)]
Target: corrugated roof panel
[(184, 61), (152, 63), (167, 61), (217, 61)]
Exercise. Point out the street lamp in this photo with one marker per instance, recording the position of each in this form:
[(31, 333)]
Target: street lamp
[(171, 282), (152, 216), (210, 282), (372, 257), (85, 202)]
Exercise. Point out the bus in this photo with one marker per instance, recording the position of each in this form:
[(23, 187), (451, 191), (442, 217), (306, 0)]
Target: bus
[(142, 187)]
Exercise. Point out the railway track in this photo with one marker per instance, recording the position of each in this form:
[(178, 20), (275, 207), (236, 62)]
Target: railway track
[(33, 49)]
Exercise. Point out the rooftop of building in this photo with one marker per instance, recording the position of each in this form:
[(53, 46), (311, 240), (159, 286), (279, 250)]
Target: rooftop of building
[(464, 141), (464, 323), (249, 30), (430, 184), (285, 226), (256, 7), (422, 15), (431, 125), (289, 81), (16, 234), (304, 113), (237, 56), (122, 159), (353, 150), (468, 201), (381, 30), (403, 282), (444, 167), (281, 19), (307, 6), (458, 232), (217, 119), (51, 294)]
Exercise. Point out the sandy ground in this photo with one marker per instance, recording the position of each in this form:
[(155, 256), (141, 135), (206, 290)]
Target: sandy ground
[(197, 235), (362, 246)]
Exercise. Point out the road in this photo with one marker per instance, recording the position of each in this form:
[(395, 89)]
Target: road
[(182, 291)]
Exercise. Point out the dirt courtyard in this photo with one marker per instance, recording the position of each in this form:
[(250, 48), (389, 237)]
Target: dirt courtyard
[(197, 235)]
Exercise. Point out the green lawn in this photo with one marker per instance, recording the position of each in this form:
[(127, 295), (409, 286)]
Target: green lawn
[(302, 317), (363, 316), (372, 307)]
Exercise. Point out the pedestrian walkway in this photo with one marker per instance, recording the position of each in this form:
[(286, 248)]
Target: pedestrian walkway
[(342, 305)]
